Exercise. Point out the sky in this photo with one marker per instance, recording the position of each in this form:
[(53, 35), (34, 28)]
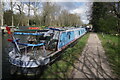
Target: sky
[(80, 8)]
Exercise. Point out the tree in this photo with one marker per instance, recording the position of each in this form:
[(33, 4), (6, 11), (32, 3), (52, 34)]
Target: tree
[(21, 21), (47, 8), (50, 13), (29, 5), (12, 6), (36, 18), (20, 8), (74, 20), (104, 18), (7, 18), (116, 8)]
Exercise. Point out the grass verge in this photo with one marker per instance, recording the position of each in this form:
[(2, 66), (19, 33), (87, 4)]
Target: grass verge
[(63, 67), (112, 50)]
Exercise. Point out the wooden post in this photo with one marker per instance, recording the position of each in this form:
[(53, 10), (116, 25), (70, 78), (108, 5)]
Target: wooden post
[(1, 24), (0, 54)]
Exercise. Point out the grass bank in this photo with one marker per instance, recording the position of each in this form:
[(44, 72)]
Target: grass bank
[(63, 67), (112, 50)]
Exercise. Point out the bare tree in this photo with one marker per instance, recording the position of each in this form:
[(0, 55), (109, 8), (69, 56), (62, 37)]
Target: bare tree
[(46, 13), (50, 13), (20, 8), (37, 18), (35, 7), (28, 12), (63, 18), (12, 6), (68, 19)]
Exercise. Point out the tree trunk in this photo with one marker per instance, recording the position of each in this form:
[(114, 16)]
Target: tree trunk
[(28, 13), (12, 20), (11, 3)]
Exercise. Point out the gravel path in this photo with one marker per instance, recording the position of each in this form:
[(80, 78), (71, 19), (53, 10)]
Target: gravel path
[(92, 62)]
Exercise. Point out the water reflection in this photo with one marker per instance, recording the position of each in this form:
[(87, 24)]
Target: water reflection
[(5, 59), (11, 72)]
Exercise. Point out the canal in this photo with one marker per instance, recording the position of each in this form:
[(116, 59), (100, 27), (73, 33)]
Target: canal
[(5, 59)]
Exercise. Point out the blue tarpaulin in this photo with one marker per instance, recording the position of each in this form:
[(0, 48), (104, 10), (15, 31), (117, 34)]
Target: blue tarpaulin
[(25, 44), (40, 44), (21, 33)]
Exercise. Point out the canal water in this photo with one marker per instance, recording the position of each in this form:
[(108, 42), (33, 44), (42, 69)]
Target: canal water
[(5, 59), (6, 66)]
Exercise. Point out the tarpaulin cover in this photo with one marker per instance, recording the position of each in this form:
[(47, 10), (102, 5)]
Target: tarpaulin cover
[(21, 33)]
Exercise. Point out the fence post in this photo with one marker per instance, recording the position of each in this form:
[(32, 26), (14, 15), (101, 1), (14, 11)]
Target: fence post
[(0, 54)]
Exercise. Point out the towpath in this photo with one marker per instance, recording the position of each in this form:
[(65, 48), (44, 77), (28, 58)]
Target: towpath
[(92, 63)]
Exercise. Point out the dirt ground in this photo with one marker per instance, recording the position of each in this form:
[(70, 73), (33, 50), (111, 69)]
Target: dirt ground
[(93, 63)]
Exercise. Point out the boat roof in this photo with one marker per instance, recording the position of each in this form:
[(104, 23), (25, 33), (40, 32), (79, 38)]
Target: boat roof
[(56, 29), (36, 32)]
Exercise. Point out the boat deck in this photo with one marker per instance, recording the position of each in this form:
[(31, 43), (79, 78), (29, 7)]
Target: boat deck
[(37, 53)]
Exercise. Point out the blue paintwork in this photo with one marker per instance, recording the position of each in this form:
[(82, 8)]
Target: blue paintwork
[(21, 33), (68, 36), (40, 44)]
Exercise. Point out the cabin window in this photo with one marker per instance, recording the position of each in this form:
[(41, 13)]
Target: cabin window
[(79, 32), (68, 36)]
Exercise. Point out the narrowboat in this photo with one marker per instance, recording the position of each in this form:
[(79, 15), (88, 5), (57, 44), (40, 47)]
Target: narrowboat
[(40, 46)]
